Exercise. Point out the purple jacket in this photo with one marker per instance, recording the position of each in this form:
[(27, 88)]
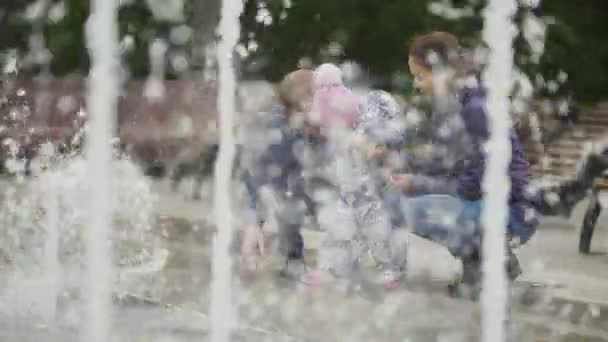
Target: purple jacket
[(454, 161)]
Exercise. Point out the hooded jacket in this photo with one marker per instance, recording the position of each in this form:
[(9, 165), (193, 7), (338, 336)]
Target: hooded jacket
[(453, 162)]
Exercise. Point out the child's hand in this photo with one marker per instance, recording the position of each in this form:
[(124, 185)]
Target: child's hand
[(252, 246), (369, 149), (377, 151), (403, 182)]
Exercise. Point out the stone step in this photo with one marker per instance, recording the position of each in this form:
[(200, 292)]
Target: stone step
[(599, 120), (590, 128), (582, 137), (573, 153), (562, 153), (560, 158), (566, 141), (565, 149), (594, 111), (537, 171), (597, 111), (555, 166), (557, 155), (585, 135), (560, 162), (602, 183)]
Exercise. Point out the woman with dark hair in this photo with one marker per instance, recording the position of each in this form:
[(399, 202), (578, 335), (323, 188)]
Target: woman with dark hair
[(439, 194)]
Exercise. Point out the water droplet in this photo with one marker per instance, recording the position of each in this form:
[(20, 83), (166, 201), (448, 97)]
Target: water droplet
[(242, 51), (180, 63), (594, 310), (127, 43), (566, 310), (181, 34), (57, 12), (66, 104), (167, 10), (263, 15)]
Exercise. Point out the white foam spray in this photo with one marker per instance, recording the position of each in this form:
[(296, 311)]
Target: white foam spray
[(154, 89), (221, 303), (51, 250), (498, 34), (102, 35)]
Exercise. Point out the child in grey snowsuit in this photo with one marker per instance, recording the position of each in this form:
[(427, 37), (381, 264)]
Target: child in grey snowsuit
[(350, 208)]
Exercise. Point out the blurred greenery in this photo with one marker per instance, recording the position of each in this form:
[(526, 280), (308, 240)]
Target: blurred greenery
[(373, 33)]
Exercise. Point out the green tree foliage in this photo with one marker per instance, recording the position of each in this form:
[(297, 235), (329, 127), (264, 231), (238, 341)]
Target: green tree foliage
[(577, 45), (65, 37), (372, 33)]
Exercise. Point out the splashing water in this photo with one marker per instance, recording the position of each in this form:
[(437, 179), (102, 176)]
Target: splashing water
[(51, 252), (498, 34), (535, 32), (102, 101), (154, 90), (42, 227), (67, 183), (446, 9), (221, 303)]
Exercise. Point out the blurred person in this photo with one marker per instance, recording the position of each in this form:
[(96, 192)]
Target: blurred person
[(438, 193), (273, 172), (350, 135), (558, 198)]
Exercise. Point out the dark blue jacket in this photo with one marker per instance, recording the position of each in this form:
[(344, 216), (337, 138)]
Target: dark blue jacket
[(276, 165), (454, 161), (475, 119)]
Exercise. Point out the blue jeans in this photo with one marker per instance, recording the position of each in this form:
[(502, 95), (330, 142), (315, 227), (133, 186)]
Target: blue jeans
[(448, 220)]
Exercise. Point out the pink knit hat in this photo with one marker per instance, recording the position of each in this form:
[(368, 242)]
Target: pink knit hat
[(333, 103)]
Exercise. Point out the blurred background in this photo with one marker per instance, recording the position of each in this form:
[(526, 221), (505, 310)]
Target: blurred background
[(168, 55), (166, 127), (277, 33)]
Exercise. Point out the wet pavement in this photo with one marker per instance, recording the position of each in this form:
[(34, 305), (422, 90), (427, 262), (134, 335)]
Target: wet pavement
[(560, 297)]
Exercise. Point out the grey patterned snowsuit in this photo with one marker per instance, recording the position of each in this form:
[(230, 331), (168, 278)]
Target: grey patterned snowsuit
[(350, 208)]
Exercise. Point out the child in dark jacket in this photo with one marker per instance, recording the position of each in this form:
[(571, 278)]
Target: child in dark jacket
[(273, 172)]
